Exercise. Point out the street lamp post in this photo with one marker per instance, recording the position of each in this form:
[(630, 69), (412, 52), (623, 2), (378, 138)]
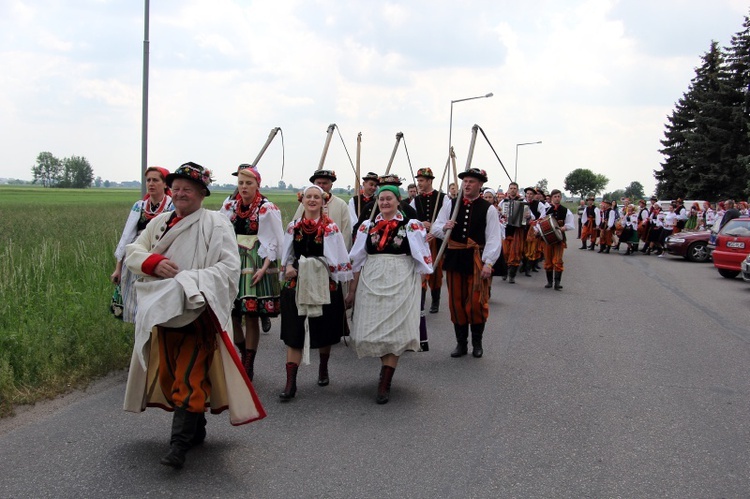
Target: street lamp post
[(450, 129), (515, 173)]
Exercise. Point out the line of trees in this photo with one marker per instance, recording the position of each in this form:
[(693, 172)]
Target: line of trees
[(706, 142), (72, 172)]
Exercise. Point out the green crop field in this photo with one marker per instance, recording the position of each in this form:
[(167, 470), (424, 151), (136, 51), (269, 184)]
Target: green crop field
[(56, 255)]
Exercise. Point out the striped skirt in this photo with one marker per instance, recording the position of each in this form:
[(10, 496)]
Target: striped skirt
[(386, 307)]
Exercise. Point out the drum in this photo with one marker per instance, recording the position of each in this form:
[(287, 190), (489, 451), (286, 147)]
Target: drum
[(551, 233)]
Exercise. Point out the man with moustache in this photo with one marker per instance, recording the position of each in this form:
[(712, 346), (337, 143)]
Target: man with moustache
[(473, 247)]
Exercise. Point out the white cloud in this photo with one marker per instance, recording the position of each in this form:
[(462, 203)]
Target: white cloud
[(594, 80)]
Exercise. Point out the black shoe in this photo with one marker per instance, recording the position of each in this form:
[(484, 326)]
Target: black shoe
[(435, 307), (460, 350), (175, 458), (291, 382), (549, 279), (424, 346), (384, 386), (265, 323), (558, 277)]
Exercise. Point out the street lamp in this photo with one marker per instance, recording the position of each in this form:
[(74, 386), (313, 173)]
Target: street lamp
[(515, 173), (450, 129)]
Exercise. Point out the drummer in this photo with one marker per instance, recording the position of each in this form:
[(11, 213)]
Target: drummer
[(553, 253)]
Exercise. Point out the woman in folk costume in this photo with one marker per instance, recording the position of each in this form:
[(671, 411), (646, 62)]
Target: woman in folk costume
[(260, 236), (316, 263), (390, 255), (630, 229), (694, 217), (656, 223), (157, 200), (183, 358)]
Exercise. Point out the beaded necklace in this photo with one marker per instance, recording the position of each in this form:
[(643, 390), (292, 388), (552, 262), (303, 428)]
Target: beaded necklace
[(243, 212), (149, 211)]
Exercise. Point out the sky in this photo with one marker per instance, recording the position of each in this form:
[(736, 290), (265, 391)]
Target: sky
[(593, 80)]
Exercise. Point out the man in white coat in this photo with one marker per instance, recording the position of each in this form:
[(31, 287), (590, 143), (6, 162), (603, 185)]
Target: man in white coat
[(183, 358)]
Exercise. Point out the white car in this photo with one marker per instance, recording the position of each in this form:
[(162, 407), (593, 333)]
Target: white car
[(745, 266)]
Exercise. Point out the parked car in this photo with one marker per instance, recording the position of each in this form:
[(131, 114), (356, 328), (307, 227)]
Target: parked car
[(692, 245), (732, 247), (746, 269)]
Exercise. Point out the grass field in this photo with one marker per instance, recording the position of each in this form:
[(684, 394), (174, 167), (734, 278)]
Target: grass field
[(56, 255)]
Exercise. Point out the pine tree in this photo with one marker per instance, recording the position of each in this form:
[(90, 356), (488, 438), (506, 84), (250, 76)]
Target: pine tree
[(702, 143), (738, 69)]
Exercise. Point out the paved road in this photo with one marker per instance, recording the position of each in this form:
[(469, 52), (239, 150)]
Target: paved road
[(631, 382)]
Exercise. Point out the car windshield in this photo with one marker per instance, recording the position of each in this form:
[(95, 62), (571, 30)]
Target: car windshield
[(736, 228)]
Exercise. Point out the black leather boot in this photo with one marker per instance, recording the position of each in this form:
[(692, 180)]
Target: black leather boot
[(558, 277), (323, 369), (184, 426), (527, 268), (593, 246), (435, 305), (601, 248), (606, 250), (477, 331), (291, 382), (384, 387), (535, 266), (512, 274), (583, 244), (462, 340), (549, 279), (248, 362), (200, 430)]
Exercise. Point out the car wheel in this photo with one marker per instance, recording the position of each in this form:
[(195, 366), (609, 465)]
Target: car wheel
[(729, 274), (697, 252)]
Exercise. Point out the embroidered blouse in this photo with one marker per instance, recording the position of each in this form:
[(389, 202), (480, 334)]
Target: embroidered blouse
[(396, 236), (327, 242), (263, 221)]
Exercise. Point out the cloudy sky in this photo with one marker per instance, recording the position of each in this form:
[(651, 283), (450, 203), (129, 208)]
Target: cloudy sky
[(593, 80)]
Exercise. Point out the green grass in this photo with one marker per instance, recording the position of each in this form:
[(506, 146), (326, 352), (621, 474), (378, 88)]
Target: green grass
[(56, 255)]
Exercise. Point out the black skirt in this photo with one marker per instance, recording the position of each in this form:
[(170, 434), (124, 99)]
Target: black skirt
[(325, 330)]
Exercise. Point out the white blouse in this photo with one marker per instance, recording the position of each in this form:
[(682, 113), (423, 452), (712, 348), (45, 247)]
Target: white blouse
[(415, 234), (334, 251), (270, 227)]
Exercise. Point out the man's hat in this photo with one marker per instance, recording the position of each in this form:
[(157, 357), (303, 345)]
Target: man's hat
[(329, 174), (654, 198), (389, 179), (475, 173), (425, 172), (192, 171), (530, 189), (606, 201), (371, 176)]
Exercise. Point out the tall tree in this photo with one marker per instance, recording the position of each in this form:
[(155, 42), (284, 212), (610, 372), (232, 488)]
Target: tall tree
[(582, 181), (738, 69), (634, 191), (706, 140), (47, 169), (76, 173)]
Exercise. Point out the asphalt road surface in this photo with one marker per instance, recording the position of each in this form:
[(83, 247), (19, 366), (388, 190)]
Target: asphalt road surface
[(631, 382)]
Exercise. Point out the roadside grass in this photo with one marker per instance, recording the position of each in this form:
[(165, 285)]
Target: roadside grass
[(56, 255)]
